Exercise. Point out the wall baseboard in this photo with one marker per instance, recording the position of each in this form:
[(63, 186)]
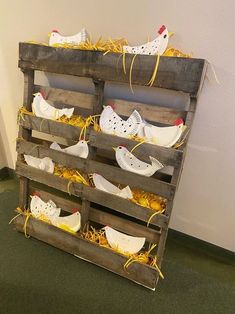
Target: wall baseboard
[(7, 173), (201, 246)]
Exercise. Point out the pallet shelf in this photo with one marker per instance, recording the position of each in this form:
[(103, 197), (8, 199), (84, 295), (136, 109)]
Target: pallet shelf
[(179, 74)]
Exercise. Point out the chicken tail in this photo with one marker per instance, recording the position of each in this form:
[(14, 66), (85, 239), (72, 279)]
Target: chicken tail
[(126, 192), (155, 163), (67, 112), (84, 35)]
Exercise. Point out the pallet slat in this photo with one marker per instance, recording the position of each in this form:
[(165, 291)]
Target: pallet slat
[(113, 173), (102, 217), (154, 113), (183, 74), (106, 258), (99, 197), (168, 156)]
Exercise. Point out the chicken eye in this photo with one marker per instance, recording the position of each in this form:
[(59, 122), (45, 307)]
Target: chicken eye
[(164, 36)]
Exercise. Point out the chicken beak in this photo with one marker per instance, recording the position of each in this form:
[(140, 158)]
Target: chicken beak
[(49, 34), (88, 141), (34, 94), (114, 148), (170, 34)]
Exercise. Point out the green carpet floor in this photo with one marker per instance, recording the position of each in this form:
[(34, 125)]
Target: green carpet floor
[(37, 278)]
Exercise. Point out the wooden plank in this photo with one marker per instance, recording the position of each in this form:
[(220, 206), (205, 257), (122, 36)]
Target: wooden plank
[(124, 206), (25, 133), (23, 192), (164, 231), (104, 257), (67, 97), (40, 151), (147, 184), (182, 74), (167, 156), (61, 98), (99, 197), (96, 108), (99, 92), (150, 113), (101, 217), (110, 172), (50, 127)]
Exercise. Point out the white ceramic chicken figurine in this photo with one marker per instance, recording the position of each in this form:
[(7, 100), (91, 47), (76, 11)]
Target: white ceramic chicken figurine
[(104, 185), (157, 46), (128, 161), (38, 208), (163, 136), (41, 108), (45, 164), (71, 222), (80, 149), (111, 123), (57, 38)]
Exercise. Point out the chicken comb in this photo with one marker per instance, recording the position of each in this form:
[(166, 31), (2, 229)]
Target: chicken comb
[(179, 121), (36, 194), (74, 210), (43, 94), (112, 106), (161, 29), (55, 31), (123, 145)]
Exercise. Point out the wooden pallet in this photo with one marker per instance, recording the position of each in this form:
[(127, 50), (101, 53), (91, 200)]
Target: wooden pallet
[(179, 74)]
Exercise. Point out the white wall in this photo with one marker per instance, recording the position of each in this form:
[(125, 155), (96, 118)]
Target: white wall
[(204, 204)]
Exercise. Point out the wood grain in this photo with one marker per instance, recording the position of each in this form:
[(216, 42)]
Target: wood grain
[(93, 195), (110, 172), (167, 156), (182, 74), (151, 113), (101, 217), (104, 257)]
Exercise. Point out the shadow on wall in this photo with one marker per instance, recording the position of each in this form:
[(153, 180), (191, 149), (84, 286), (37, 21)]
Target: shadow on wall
[(3, 143), (152, 96)]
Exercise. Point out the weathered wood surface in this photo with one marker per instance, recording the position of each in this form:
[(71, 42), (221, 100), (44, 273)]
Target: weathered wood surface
[(183, 74), (50, 127), (25, 133), (106, 258), (177, 74), (110, 172), (101, 217), (152, 113), (167, 156), (84, 104), (61, 98), (99, 93), (93, 195), (67, 97)]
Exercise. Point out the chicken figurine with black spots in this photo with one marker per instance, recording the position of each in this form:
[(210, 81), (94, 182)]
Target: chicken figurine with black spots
[(129, 162), (111, 123), (155, 47)]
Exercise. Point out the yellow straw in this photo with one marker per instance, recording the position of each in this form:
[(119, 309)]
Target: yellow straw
[(151, 81), (130, 74)]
